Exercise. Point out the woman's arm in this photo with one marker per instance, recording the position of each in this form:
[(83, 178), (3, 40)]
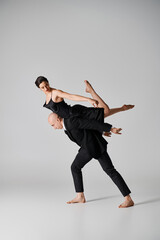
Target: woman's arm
[(75, 97)]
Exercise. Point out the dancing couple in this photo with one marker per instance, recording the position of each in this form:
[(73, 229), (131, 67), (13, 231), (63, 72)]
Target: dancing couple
[(85, 126)]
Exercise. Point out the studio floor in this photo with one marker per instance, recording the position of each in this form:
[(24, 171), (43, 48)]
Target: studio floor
[(41, 213)]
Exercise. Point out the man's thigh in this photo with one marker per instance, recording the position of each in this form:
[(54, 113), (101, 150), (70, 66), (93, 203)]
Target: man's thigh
[(82, 158)]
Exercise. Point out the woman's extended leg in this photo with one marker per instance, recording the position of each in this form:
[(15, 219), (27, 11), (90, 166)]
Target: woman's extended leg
[(116, 110), (102, 104)]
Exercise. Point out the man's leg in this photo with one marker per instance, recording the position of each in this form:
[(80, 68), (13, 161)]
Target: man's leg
[(81, 159), (108, 167), (102, 104)]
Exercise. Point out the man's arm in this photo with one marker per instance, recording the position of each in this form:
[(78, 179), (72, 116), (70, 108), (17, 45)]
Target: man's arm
[(113, 130), (91, 124)]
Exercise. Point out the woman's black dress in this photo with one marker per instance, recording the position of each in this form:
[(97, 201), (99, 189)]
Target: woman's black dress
[(64, 110)]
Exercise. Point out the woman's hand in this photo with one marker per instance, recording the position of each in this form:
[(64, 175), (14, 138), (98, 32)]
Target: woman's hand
[(93, 102), (116, 130)]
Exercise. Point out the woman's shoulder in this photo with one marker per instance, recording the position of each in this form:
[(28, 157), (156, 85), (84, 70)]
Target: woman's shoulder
[(56, 95), (56, 91)]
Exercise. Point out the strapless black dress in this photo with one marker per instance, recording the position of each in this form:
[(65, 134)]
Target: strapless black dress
[(65, 110)]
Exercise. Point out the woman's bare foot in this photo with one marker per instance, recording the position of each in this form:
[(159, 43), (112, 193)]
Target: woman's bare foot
[(127, 107), (89, 87), (80, 198), (127, 203)]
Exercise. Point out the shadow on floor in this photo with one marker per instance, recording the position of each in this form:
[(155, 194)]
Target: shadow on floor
[(149, 201), (102, 198)]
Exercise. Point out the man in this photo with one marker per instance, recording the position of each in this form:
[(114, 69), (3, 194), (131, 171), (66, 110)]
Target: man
[(87, 133)]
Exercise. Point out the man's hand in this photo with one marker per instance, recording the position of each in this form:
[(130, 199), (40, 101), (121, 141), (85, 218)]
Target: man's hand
[(107, 134), (93, 102), (116, 130)]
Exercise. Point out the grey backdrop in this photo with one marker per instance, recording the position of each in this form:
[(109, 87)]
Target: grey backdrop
[(113, 44)]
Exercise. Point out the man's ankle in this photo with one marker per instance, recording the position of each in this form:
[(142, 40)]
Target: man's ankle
[(128, 197), (80, 194)]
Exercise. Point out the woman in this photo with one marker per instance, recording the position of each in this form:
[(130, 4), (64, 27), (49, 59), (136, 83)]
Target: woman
[(55, 102)]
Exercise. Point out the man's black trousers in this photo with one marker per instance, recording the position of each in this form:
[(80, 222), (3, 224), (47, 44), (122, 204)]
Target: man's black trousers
[(84, 157)]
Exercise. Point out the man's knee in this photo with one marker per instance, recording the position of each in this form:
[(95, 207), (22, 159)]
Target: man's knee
[(110, 171), (75, 168)]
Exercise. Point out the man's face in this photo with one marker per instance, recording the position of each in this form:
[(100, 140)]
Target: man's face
[(56, 123)]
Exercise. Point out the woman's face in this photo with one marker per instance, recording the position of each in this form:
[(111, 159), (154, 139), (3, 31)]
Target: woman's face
[(44, 86)]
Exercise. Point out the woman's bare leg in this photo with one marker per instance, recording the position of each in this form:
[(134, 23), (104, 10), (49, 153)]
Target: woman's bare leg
[(123, 108), (102, 104)]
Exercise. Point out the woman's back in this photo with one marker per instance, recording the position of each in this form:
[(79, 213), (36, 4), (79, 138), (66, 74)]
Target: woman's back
[(60, 108)]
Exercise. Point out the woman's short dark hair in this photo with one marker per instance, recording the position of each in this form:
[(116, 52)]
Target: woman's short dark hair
[(39, 80)]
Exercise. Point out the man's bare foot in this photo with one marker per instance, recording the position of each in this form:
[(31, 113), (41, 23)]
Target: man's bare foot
[(89, 87), (80, 198), (127, 107), (127, 203)]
